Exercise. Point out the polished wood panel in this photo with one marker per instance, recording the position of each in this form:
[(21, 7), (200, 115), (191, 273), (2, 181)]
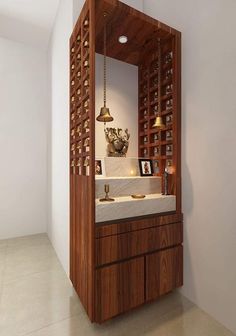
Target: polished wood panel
[(117, 247), (82, 186), (120, 287), (133, 224), (72, 230), (141, 37), (177, 121), (164, 272)]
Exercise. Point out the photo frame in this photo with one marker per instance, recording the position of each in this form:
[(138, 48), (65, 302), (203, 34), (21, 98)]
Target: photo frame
[(100, 167), (156, 167), (145, 167)]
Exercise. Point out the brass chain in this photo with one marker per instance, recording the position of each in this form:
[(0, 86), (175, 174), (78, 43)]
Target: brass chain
[(105, 61), (159, 76)]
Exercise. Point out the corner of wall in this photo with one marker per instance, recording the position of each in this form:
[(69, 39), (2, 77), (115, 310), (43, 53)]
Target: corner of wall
[(77, 6), (58, 174)]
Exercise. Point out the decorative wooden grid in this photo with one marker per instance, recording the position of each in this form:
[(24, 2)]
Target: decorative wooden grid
[(155, 144), (80, 134)]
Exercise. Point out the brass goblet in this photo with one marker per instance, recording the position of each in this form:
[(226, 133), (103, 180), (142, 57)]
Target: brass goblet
[(106, 198)]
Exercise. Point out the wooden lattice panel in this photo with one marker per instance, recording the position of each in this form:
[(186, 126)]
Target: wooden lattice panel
[(80, 100), (158, 145)]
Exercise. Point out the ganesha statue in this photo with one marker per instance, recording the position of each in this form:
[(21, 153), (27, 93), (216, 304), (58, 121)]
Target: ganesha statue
[(118, 141)]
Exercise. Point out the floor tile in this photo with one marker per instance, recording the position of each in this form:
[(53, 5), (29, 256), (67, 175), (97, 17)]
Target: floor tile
[(2, 254), (21, 262), (3, 243), (2, 266), (36, 301), (186, 320), (28, 241)]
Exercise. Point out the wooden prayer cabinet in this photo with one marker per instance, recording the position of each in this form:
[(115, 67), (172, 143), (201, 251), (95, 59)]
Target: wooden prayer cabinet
[(117, 266)]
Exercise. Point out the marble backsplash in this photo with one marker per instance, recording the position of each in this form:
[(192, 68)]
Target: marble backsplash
[(124, 186), (121, 166)]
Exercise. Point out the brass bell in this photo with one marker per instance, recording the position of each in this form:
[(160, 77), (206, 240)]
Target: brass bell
[(104, 115), (158, 122)]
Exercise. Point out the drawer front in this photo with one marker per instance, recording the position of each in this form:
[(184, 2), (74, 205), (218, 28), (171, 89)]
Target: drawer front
[(126, 245), (119, 288), (164, 272), (124, 226)]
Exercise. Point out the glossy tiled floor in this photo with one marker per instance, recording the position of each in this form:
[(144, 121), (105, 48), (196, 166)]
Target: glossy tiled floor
[(37, 299)]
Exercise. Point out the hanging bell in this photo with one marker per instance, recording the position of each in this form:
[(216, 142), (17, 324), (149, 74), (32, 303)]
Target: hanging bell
[(104, 115), (158, 122)]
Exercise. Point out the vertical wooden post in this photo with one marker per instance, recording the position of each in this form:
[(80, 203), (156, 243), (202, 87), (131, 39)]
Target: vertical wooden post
[(82, 182)]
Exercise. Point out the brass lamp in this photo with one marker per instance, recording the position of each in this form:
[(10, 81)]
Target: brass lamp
[(104, 115), (158, 121)]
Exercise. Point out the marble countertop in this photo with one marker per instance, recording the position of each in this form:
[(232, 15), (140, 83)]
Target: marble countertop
[(131, 199), (124, 177), (126, 207)]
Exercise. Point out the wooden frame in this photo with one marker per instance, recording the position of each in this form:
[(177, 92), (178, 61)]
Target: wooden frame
[(101, 276), (82, 156)]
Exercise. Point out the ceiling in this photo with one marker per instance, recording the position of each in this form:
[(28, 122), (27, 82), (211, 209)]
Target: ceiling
[(28, 21)]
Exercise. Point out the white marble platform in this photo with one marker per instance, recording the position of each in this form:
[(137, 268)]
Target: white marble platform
[(125, 186), (126, 207)]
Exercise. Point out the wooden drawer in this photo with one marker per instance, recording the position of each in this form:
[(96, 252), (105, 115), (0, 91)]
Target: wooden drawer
[(130, 244), (119, 287), (164, 272), (124, 226)]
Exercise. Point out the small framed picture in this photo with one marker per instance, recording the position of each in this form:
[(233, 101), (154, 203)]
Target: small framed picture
[(145, 167), (99, 167), (156, 167)]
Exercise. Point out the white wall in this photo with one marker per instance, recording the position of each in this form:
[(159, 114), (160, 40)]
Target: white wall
[(77, 6), (58, 224), (28, 22), (23, 139), (137, 4), (209, 117), (122, 100)]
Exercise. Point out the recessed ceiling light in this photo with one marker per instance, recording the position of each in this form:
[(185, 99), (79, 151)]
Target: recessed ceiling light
[(123, 39)]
